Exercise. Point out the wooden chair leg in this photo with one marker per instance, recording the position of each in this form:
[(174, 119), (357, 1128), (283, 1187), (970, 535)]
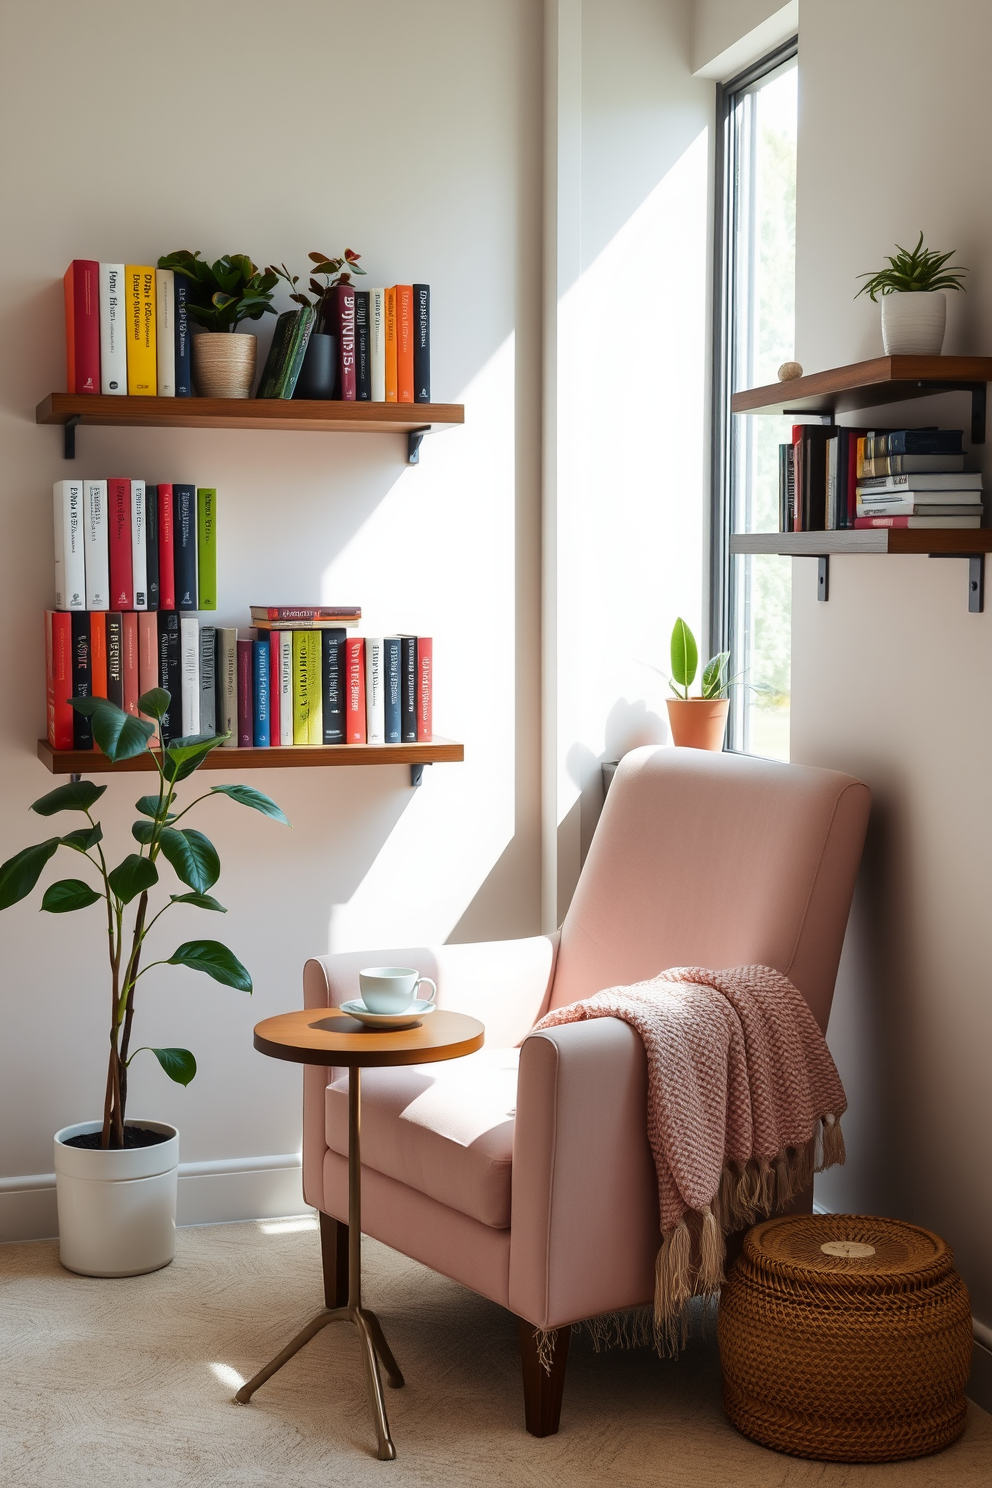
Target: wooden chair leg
[(334, 1260), (543, 1391)]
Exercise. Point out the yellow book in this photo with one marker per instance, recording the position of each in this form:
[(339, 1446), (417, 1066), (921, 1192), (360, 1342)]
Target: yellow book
[(142, 374), (308, 713), (391, 345)]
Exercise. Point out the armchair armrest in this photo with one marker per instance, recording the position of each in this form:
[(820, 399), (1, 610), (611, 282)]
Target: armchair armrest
[(584, 1228)]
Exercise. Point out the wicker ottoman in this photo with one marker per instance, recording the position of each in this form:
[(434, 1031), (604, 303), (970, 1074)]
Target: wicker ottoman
[(845, 1338)]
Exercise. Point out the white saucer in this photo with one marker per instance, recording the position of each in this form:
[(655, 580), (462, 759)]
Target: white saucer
[(417, 1010)]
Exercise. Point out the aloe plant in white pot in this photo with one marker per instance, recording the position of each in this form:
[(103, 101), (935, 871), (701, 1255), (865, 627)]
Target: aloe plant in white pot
[(116, 1180), (914, 310)]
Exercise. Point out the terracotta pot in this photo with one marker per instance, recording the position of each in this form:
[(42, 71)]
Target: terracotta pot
[(699, 723), (224, 364)]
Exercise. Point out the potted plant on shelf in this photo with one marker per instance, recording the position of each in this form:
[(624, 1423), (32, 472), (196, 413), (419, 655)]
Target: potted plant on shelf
[(220, 296), (319, 373), (914, 310), (699, 722), (116, 1181)]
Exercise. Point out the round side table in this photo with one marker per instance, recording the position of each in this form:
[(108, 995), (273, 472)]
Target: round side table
[(328, 1036)]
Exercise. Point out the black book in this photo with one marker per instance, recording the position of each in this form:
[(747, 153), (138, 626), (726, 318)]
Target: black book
[(813, 484), (392, 675), (363, 345), (115, 658), (170, 673), (408, 689), (208, 688), (82, 678), (421, 343), (151, 546), (184, 545), (332, 682), (786, 487), (184, 367)]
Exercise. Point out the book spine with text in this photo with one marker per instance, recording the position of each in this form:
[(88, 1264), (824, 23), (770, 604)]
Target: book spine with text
[(425, 689), (392, 672), (404, 343), (374, 691), (82, 326), (142, 373), (115, 658), (82, 730), (58, 677), (183, 354), (208, 679), (408, 689), (307, 709), (343, 326), (332, 683), (261, 733), (227, 685), (285, 675), (129, 661), (119, 519), (184, 545), (363, 347), (113, 331), (96, 548), (70, 562), (377, 340), (165, 332), (148, 662), (151, 546), (139, 541), (246, 700), (299, 614), (98, 653), (354, 697), (166, 549), (206, 548), (421, 343), (170, 674), (391, 344)]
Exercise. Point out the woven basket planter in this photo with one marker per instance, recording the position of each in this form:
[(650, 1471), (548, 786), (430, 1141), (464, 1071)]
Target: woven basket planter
[(854, 1353)]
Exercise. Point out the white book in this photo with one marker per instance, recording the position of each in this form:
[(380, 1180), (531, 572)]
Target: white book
[(165, 331), (113, 334), (139, 552), (70, 562), (285, 685), (907, 507), (227, 686), (375, 691), (189, 653), (377, 337), (941, 480), (96, 551)]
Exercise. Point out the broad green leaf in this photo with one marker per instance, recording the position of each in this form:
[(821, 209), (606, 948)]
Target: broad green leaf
[(685, 657), (247, 796), (150, 805), (185, 755), (155, 702), (69, 893), (78, 796), (20, 873), (83, 838), (215, 959), (193, 856), (120, 735), (178, 1064), (132, 876), (143, 832), (713, 674), (201, 901)]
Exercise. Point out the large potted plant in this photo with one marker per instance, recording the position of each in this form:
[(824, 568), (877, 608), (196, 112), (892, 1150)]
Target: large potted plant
[(221, 296), (115, 1180), (914, 309), (697, 722), (319, 373)]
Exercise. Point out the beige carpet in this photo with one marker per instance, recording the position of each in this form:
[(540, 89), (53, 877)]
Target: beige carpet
[(122, 1384)]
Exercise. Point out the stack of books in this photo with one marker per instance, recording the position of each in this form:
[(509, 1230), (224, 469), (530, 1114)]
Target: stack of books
[(831, 478)]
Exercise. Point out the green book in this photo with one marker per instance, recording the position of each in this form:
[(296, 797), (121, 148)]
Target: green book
[(286, 353), (206, 548)]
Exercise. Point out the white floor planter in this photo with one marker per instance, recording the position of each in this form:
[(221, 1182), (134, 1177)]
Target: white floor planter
[(913, 323), (117, 1210)]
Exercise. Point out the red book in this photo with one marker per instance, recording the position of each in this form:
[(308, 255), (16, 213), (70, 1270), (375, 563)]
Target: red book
[(354, 699), (98, 653), (166, 551), (275, 684), (340, 614), (343, 326), (58, 677), (119, 510), (148, 659), (425, 689), (82, 326), (129, 661), (925, 522), (797, 477), (246, 694), (404, 343)]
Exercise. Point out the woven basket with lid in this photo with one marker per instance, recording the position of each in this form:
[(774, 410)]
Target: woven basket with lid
[(845, 1338)]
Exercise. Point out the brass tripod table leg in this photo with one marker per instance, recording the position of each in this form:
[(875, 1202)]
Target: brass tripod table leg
[(373, 1343)]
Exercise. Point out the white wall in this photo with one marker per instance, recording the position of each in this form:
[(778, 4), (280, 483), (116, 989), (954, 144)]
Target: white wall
[(891, 678), (412, 135), (728, 35)]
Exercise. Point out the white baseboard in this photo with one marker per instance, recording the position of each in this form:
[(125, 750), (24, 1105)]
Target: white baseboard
[(213, 1192)]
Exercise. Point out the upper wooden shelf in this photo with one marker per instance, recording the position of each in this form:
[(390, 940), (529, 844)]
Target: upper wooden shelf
[(889, 379), (958, 542), (413, 419)]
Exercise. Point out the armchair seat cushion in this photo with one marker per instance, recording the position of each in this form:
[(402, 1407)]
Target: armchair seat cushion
[(443, 1129)]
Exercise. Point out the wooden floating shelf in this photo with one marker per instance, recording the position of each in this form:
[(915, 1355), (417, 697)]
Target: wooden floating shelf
[(939, 541), (890, 379), (413, 419)]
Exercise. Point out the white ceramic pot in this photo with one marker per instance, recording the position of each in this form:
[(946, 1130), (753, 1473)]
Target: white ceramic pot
[(117, 1210), (224, 363), (913, 324)]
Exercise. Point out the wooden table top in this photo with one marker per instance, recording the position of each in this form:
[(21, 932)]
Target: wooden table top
[(329, 1036)]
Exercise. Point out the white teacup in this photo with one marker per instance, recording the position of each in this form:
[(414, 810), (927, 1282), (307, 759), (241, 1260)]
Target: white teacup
[(392, 989)]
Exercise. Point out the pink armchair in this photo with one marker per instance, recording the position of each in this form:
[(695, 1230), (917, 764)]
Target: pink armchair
[(525, 1172)]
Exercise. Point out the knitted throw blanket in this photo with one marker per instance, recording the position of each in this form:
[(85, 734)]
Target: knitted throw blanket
[(744, 1102)]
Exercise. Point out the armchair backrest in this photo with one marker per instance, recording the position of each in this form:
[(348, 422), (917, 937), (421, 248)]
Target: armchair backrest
[(715, 860)]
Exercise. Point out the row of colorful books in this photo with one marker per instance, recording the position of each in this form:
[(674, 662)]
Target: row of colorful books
[(831, 477), (272, 686), (128, 329)]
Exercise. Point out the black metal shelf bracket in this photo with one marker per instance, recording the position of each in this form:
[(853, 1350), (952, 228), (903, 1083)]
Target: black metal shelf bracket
[(69, 436), (976, 579), (414, 440), (417, 773), (823, 578)]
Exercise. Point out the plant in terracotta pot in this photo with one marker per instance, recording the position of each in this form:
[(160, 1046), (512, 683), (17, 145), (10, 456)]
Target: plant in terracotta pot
[(914, 310), (319, 373), (699, 722), (220, 296), (116, 1181)]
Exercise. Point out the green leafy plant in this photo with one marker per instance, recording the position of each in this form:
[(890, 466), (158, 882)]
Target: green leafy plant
[(920, 271), (223, 294), (124, 889), (685, 664), (334, 271)]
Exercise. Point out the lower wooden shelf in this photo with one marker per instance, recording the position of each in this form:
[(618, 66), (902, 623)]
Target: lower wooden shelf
[(316, 756)]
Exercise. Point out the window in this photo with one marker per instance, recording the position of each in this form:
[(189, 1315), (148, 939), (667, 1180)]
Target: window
[(755, 334)]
